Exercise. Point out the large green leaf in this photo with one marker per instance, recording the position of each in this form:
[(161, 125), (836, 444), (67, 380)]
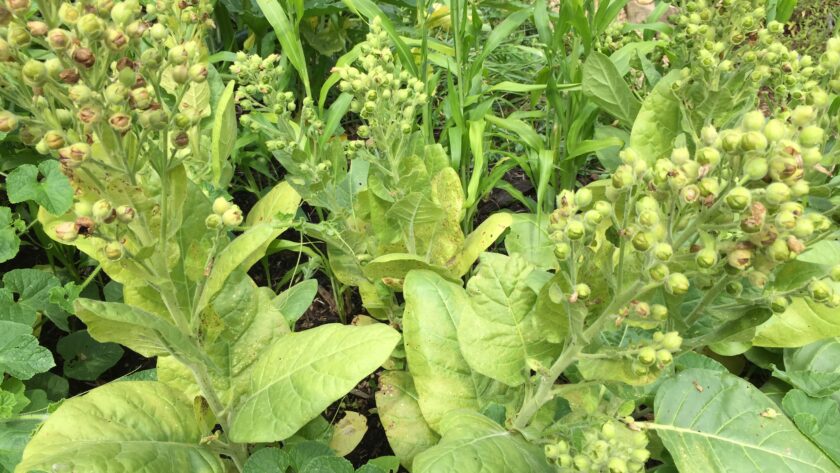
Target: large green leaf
[(408, 432), (475, 444), (604, 85), (444, 380), (814, 368), (20, 354), (130, 427), (282, 199), (303, 373), (529, 239), (25, 293), (658, 121), (803, 322), (718, 423), (9, 241), (499, 335), (819, 419)]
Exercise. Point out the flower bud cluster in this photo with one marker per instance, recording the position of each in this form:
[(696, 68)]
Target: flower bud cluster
[(225, 214), (385, 96), (613, 448), (257, 79)]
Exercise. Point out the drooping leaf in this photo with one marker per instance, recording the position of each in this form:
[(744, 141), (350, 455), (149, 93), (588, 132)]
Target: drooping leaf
[(716, 422), (302, 373), (657, 123), (85, 358), (499, 335), (122, 427), (819, 419), (407, 430), (478, 241), (471, 442), (602, 83), (52, 191), (20, 354)]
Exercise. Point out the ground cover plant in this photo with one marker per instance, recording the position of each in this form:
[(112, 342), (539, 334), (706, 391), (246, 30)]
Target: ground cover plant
[(289, 236)]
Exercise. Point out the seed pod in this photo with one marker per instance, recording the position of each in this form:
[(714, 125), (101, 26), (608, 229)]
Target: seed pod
[(103, 211), (198, 73), (180, 140), (84, 57), (8, 121), (66, 232), (37, 28), (120, 122), (739, 258), (69, 76), (125, 214)]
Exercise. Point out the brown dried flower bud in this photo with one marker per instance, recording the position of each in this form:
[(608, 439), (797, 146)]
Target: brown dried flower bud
[(120, 122), (84, 57), (69, 76)]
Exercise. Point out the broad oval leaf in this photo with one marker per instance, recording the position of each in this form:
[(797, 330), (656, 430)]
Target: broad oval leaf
[(716, 422), (475, 444), (819, 419), (658, 122), (122, 427), (604, 85), (408, 432), (303, 373)]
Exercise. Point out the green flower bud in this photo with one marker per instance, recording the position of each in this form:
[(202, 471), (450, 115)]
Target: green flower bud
[(66, 232), (575, 230), (659, 272), (804, 228), (622, 177), (34, 73), (709, 186), (213, 221), (753, 141), (54, 139), (779, 304), (820, 291), (708, 155), (583, 291), (123, 13), (835, 273), (182, 121), (756, 168), (221, 205), (833, 301), (116, 94), (642, 241), (664, 357), (178, 55), (676, 284), (689, 194), (777, 193), (680, 155), (811, 136), (779, 251), (811, 157), (775, 130), (672, 341), (604, 208), (8, 121), (232, 216), (647, 356), (114, 250), (120, 122), (180, 74), (802, 115), (709, 134), (91, 27), (18, 36), (663, 251), (68, 13), (730, 140), (103, 211), (158, 32), (739, 258), (583, 197), (659, 312), (706, 258), (562, 251), (753, 121), (648, 218), (592, 218)]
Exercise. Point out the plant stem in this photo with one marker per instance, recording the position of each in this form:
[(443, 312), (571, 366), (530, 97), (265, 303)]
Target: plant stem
[(570, 355)]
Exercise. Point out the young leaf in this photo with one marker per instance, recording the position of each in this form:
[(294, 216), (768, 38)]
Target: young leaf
[(52, 191), (602, 83), (9, 241), (20, 354), (223, 135), (302, 373), (408, 432), (474, 443), (658, 121), (712, 422), (122, 427)]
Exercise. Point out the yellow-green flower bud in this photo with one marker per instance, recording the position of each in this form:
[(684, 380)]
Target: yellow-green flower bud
[(114, 250), (575, 230), (811, 136), (91, 27), (740, 258), (66, 232), (221, 205), (178, 55), (676, 284), (753, 141), (68, 13), (777, 193), (689, 194), (103, 211), (659, 272), (820, 291), (592, 218), (562, 251), (583, 291), (709, 134), (738, 199), (19, 7), (835, 273), (664, 357), (802, 115), (34, 72), (198, 73), (583, 197), (604, 208), (659, 312), (125, 214), (213, 221), (708, 155), (730, 140), (779, 304), (642, 241), (116, 94), (706, 258), (232, 216), (672, 341), (8, 121), (663, 251), (775, 130), (779, 251), (648, 218), (680, 156), (647, 356), (180, 74), (753, 121), (804, 228)]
